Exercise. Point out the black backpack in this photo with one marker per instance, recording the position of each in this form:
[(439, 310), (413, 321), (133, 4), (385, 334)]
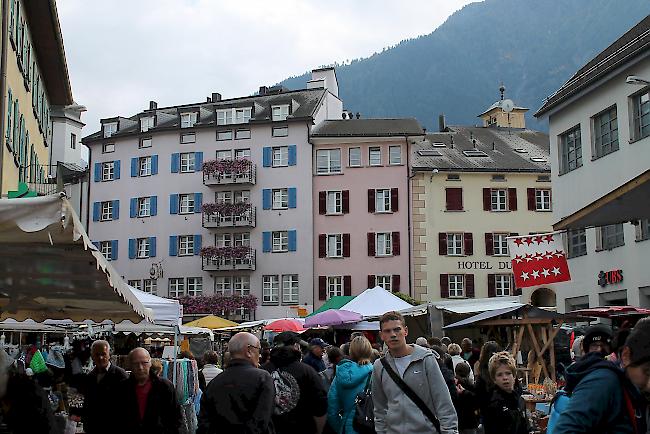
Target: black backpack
[(363, 421)]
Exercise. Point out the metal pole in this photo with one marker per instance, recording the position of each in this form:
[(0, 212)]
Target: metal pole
[(175, 355)]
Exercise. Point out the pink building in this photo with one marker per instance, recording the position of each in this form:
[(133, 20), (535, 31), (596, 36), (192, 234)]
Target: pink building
[(361, 204)]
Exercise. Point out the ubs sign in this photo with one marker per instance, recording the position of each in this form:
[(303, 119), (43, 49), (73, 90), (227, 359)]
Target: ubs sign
[(610, 277)]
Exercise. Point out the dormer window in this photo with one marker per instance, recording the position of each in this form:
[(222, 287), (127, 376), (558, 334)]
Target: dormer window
[(234, 116), (146, 123), (280, 112), (188, 119), (110, 129)]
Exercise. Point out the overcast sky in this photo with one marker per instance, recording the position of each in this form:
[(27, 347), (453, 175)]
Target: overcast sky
[(121, 54)]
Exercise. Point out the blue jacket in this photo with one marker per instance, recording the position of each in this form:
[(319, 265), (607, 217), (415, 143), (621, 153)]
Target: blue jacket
[(350, 380)]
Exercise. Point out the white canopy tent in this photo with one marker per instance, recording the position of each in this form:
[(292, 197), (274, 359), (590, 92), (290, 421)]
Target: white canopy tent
[(166, 311), (375, 302)]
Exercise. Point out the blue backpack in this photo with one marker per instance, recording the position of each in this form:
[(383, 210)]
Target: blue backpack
[(558, 405)]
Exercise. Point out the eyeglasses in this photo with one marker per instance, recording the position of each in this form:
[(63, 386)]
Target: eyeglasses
[(253, 346)]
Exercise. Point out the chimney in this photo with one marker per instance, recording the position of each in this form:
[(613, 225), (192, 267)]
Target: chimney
[(442, 124), (216, 97), (208, 99), (153, 105), (263, 90)]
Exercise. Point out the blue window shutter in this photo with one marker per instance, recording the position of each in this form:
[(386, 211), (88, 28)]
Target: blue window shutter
[(116, 169), (198, 161), (292, 240), (97, 210), (176, 160), (266, 242), (197, 244), (114, 250), (134, 167), (292, 155), (154, 165), (116, 209), (198, 201), (154, 205), (173, 245), (292, 197), (96, 243), (267, 156), (132, 248), (152, 247), (173, 204), (98, 172), (133, 208), (266, 198)]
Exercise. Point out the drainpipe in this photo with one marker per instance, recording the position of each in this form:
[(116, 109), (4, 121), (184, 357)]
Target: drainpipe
[(3, 83), (408, 215)]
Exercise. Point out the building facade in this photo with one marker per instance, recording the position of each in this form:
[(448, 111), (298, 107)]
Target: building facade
[(599, 127), (360, 203)]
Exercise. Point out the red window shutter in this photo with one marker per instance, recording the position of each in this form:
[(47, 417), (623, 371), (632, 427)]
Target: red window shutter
[(347, 285), (394, 199), (346, 245), (371, 244), (322, 202), (371, 280), (487, 199), (468, 243), (489, 244), (442, 243), (469, 285), (444, 286), (454, 199), (531, 199), (371, 200), (492, 287), (322, 245), (396, 281), (396, 243), (322, 288), (512, 199), (346, 201)]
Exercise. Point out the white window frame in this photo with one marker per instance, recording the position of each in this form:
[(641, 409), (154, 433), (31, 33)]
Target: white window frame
[(279, 241), (224, 135), (223, 240), (500, 244), (280, 131), (334, 202), (188, 138), (224, 154), (383, 198), (144, 166), (150, 286), (242, 134), (290, 289), (605, 132), (241, 115), (502, 285), (373, 153), (108, 171), (609, 236), (144, 206), (136, 283), (641, 120), (186, 203), (146, 123), (456, 285), (189, 119), (279, 112), (386, 246), (224, 117), (187, 162), (243, 153), (334, 245), (185, 245), (145, 142), (455, 243), (384, 281), (280, 156), (143, 248), (107, 211), (280, 198), (223, 197), (242, 196), (108, 148), (106, 248), (543, 199), (394, 158), (334, 286), (110, 129), (327, 162), (242, 239), (570, 144), (356, 160), (194, 286), (241, 285), (270, 289), (176, 287), (499, 199), (576, 243), (223, 285)]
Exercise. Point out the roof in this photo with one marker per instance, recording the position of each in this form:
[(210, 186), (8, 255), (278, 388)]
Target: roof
[(504, 149), (368, 128), (303, 102), (335, 302), (497, 105), (523, 314), (633, 43)]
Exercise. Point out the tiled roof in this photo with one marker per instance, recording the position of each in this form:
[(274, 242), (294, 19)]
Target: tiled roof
[(633, 43), (368, 128), (504, 149)]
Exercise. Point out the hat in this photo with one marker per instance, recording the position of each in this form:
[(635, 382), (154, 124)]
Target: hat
[(318, 342), (288, 338), (594, 334), (639, 342)]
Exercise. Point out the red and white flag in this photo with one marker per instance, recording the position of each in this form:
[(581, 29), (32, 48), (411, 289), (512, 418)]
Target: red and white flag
[(538, 260)]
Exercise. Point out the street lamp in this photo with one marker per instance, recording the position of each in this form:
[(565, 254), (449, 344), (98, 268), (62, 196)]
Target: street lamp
[(634, 79)]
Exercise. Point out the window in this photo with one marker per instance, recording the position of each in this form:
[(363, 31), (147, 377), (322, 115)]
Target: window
[(188, 138), (612, 236), (502, 284), (328, 161), (290, 289), (146, 124), (334, 202), (382, 200), (234, 116), (224, 155), (641, 115), (456, 285), (334, 286), (108, 171), (570, 150), (394, 155), (107, 148), (142, 248), (576, 243), (137, 284), (194, 286), (188, 162), (335, 246), (224, 117), (150, 286), (244, 154), (498, 197), (280, 198), (223, 197), (224, 135), (243, 239), (542, 199), (73, 141), (280, 241), (145, 143), (280, 131), (144, 207), (280, 156), (453, 199), (374, 156), (270, 289), (500, 244), (605, 133), (643, 230), (107, 211), (242, 134), (106, 248), (280, 112), (243, 196), (384, 281), (186, 245), (144, 164), (110, 129), (188, 119), (354, 157), (186, 203), (223, 285), (455, 244), (242, 285), (384, 244), (223, 240), (242, 115), (176, 287)]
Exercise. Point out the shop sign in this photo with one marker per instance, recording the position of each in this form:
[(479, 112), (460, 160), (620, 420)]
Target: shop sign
[(610, 277), (484, 265)]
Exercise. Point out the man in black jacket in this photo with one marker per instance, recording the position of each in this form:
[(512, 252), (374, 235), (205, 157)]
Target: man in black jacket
[(240, 400)]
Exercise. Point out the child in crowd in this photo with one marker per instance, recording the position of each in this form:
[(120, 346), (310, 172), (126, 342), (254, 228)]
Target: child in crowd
[(466, 402)]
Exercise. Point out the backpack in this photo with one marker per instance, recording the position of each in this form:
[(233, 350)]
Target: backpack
[(287, 392), (363, 420)]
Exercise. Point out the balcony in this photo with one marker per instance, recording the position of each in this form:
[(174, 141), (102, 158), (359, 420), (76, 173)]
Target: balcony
[(227, 258), (228, 215), (228, 172)]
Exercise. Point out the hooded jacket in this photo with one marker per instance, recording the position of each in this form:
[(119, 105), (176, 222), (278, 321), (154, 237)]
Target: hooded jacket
[(505, 413), (350, 380), (395, 413)]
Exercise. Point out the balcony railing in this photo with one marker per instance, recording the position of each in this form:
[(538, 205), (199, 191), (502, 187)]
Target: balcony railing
[(226, 172), (228, 263), (230, 220)]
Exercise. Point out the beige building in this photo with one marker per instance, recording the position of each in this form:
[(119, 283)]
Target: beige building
[(471, 188)]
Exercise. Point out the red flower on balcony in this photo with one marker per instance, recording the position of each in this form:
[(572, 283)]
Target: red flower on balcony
[(215, 304), (225, 209), (227, 166), (235, 252)]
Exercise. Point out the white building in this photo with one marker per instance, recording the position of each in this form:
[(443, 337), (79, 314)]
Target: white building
[(599, 128)]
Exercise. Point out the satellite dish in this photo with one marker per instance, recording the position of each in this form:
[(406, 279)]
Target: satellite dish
[(507, 105)]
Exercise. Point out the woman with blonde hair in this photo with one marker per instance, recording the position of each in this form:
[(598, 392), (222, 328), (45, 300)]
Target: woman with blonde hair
[(352, 377)]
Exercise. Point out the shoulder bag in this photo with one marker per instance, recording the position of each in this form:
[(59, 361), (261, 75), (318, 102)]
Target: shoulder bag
[(363, 421)]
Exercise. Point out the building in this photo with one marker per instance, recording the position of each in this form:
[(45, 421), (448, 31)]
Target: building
[(471, 188), (360, 203), (599, 123), (34, 79), (214, 197)]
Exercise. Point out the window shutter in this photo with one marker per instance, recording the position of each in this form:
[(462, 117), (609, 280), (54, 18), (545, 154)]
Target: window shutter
[(322, 245), (371, 244), (346, 245), (444, 286), (395, 243), (134, 167), (322, 202), (116, 209), (396, 282), (468, 243), (198, 161), (173, 204), (266, 241), (267, 156), (489, 244), (492, 287), (531, 199), (291, 160), (154, 205), (292, 196), (293, 240), (132, 247), (394, 200), (266, 198), (322, 288), (176, 162), (454, 199), (371, 200), (198, 202), (198, 240), (116, 169), (442, 243), (97, 211), (173, 245), (487, 199), (345, 199), (98, 172), (114, 245), (133, 208), (347, 285), (512, 199), (469, 285), (154, 164), (372, 281), (152, 247)]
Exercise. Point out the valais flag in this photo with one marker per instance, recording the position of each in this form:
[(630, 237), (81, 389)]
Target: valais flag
[(538, 260)]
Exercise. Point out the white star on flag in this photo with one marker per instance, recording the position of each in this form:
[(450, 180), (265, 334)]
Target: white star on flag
[(538, 259), (545, 272), (535, 274), (525, 276), (556, 271)]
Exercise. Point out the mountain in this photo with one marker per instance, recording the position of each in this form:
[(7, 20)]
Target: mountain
[(532, 46)]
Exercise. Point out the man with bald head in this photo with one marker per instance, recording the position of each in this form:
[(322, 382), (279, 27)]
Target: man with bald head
[(148, 402), (240, 400)]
